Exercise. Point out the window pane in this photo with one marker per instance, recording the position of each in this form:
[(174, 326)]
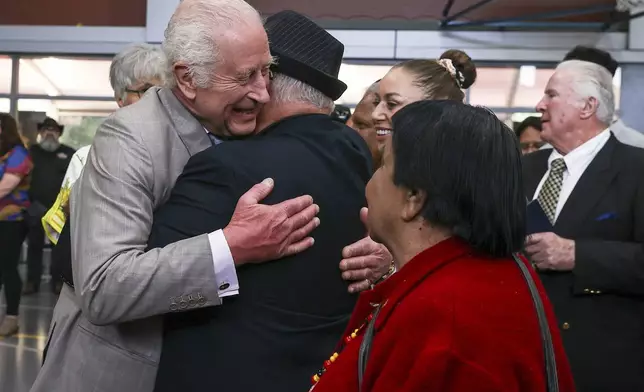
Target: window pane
[(55, 76), (358, 79), (617, 86), (493, 86), (531, 86), (5, 75), (4, 105), (80, 118)]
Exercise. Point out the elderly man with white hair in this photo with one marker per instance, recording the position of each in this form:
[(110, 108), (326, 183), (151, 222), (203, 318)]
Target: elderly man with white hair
[(622, 132), (587, 225), (106, 331)]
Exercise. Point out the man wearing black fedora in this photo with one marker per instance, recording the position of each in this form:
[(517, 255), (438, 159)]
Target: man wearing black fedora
[(51, 159), (288, 314)]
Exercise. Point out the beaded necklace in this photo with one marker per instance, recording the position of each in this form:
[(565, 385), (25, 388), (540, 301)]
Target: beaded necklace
[(316, 377)]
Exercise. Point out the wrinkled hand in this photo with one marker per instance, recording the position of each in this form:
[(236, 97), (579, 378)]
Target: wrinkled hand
[(364, 262), (548, 251), (259, 232)]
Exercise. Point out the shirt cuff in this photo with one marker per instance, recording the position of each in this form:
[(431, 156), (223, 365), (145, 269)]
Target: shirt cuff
[(225, 272)]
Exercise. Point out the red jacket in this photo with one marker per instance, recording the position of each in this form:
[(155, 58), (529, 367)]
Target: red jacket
[(453, 321)]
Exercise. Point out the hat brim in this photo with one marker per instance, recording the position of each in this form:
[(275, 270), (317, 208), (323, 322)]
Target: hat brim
[(327, 84), (40, 126)]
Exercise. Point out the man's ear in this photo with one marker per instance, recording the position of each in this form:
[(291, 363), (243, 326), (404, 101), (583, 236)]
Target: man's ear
[(414, 203), (590, 108), (185, 81)]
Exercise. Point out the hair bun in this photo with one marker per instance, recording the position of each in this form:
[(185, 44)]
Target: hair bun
[(464, 64)]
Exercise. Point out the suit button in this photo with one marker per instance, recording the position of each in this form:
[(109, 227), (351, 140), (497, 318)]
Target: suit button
[(586, 291), (598, 292), (565, 326), (173, 307), (201, 301), (224, 286)]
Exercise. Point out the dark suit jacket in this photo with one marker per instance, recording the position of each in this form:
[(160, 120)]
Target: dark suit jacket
[(600, 304), (289, 313)]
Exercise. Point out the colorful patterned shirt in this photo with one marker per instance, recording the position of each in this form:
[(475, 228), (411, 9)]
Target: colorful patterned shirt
[(17, 162)]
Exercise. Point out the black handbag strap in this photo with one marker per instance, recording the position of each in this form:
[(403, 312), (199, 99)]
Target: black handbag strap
[(365, 346), (552, 378)]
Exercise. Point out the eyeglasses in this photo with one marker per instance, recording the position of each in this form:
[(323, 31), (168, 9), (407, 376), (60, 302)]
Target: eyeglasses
[(140, 91), (528, 145)]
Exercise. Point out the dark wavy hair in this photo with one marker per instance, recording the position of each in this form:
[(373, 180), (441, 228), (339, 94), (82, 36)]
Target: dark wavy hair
[(529, 122), (468, 162), (593, 55), (9, 135)]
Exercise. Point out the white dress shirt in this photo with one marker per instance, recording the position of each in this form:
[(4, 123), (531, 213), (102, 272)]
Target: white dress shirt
[(225, 271), (577, 162)]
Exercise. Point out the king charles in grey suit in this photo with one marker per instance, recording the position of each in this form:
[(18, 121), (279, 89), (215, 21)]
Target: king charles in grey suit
[(106, 330)]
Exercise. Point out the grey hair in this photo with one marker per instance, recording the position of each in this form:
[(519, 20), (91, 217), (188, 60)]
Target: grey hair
[(285, 89), (136, 63), (592, 80), (191, 35)]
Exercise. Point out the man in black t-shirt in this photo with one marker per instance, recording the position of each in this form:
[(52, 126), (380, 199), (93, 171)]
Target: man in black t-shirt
[(50, 159)]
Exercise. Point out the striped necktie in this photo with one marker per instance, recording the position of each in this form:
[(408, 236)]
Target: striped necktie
[(549, 194)]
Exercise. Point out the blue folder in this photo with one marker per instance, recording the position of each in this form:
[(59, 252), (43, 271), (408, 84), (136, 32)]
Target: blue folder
[(537, 220)]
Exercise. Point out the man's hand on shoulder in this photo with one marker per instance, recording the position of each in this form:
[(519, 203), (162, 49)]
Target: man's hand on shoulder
[(259, 232)]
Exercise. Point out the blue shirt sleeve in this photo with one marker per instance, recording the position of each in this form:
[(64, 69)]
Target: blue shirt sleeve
[(17, 157)]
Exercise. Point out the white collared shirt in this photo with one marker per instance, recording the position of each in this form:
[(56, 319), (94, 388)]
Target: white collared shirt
[(577, 162), (225, 271)]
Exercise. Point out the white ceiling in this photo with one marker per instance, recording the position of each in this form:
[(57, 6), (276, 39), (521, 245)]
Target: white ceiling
[(89, 77)]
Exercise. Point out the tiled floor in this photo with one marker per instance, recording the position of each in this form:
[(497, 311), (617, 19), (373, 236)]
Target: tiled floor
[(21, 355)]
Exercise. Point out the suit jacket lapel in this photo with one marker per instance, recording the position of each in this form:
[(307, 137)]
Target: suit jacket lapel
[(589, 189), (534, 173), (191, 132)]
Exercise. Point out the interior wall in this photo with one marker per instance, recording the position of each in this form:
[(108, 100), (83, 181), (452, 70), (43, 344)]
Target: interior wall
[(416, 10), (122, 13)]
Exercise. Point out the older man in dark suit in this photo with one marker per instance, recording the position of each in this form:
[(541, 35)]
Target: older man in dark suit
[(288, 314), (590, 250)]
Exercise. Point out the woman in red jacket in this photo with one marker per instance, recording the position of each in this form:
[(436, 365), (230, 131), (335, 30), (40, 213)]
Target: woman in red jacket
[(458, 315)]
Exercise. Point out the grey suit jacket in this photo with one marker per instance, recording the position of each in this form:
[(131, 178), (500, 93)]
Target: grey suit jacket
[(106, 336)]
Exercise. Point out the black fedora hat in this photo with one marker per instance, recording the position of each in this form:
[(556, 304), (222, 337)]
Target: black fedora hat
[(306, 52), (49, 122)]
